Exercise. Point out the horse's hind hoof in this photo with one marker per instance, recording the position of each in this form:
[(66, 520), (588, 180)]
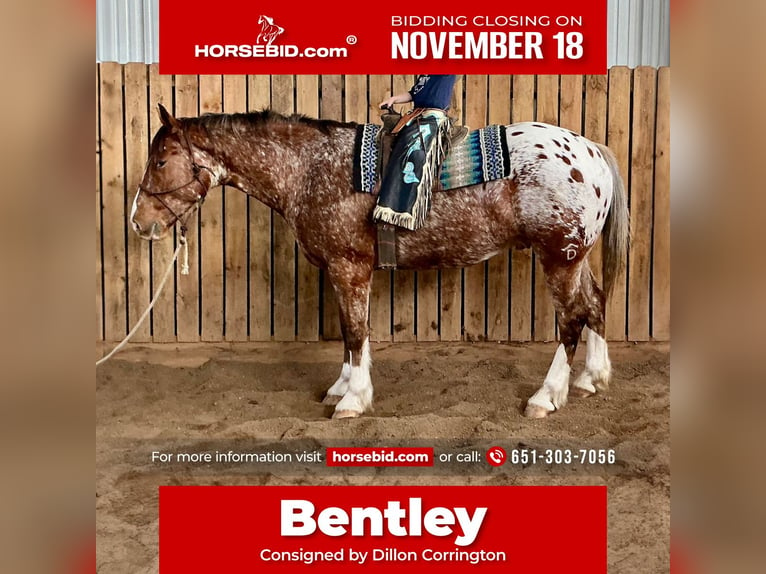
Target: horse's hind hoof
[(589, 383), (346, 414), (536, 412), (602, 384), (580, 393), (331, 400)]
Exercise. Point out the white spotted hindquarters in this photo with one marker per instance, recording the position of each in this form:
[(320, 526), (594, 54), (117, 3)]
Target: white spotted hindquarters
[(565, 186)]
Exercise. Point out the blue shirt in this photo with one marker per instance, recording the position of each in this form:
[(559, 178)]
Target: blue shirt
[(433, 91)]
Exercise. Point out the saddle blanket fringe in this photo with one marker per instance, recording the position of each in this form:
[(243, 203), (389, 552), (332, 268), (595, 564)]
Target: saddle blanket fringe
[(482, 156)]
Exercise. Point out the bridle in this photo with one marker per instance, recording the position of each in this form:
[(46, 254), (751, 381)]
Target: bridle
[(196, 170)]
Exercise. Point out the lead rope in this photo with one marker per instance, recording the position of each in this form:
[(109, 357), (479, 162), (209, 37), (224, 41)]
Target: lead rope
[(183, 243)]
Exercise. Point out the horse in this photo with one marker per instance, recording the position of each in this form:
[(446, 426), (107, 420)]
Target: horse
[(269, 30), (563, 192)]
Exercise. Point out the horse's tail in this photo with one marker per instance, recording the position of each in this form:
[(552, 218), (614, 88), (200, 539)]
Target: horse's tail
[(616, 233)]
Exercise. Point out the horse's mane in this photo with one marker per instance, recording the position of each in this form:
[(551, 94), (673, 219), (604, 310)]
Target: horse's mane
[(265, 118)]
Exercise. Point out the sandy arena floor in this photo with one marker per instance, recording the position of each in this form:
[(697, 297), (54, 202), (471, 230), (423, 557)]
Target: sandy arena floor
[(452, 396)]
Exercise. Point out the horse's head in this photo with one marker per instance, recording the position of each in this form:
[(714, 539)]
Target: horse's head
[(174, 183)]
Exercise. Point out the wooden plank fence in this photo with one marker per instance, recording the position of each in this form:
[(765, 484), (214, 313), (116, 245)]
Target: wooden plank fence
[(248, 280)]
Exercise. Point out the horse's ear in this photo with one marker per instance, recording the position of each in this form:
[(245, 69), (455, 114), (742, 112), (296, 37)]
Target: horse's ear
[(167, 118)]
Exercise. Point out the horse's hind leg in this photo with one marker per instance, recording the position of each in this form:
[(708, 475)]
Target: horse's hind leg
[(598, 368), (570, 298), (352, 392)]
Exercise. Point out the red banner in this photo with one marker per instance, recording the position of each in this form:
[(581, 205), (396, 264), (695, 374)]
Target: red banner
[(207, 529), (245, 37)]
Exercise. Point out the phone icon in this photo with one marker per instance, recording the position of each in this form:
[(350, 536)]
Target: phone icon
[(496, 456)]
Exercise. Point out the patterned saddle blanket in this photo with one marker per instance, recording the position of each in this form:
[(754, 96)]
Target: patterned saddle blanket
[(482, 156)]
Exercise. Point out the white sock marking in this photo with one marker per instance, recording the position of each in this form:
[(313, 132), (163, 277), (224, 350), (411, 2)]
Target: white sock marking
[(359, 395), (553, 394), (597, 365), (340, 387)]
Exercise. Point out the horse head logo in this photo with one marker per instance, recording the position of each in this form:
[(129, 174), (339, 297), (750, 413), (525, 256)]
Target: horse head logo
[(269, 30)]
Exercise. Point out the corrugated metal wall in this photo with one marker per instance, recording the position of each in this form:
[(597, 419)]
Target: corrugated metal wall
[(639, 32), (127, 31)]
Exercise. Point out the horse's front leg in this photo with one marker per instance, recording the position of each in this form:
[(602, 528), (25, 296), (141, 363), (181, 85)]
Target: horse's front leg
[(340, 386), (353, 390)]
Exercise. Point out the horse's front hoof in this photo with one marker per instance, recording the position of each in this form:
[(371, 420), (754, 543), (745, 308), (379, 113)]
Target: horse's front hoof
[(536, 412), (331, 400), (346, 414)]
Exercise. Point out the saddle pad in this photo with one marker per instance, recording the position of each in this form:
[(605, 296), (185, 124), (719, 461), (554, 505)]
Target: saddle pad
[(482, 156), (365, 157)]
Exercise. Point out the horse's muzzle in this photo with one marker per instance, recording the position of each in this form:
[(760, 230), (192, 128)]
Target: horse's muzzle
[(152, 232)]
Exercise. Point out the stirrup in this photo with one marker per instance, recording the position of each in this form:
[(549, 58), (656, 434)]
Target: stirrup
[(386, 246)]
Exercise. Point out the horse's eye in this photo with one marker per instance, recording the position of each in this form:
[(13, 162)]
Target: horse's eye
[(161, 163)]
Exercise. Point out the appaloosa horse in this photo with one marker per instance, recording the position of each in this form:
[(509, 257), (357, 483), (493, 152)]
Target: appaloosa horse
[(562, 192)]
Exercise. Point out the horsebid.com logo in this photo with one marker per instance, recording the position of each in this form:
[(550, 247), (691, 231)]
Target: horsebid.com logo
[(264, 46), (269, 30)]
